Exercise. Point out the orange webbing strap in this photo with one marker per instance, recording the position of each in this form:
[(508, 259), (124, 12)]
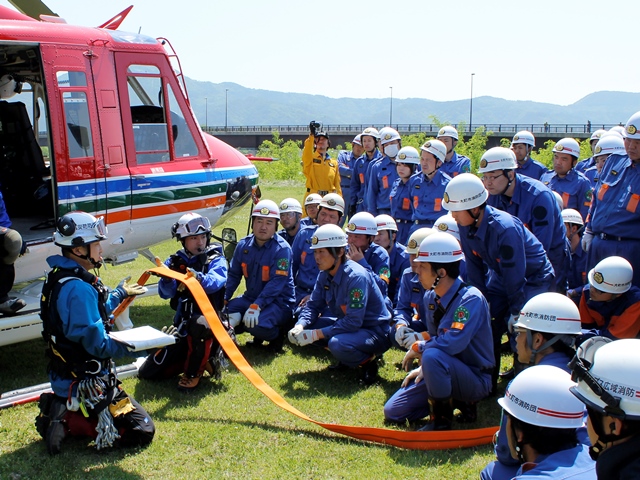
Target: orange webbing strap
[(127, 301), (411, 440)]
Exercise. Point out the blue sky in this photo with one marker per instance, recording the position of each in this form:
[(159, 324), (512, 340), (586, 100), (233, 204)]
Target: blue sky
[(541, 50)]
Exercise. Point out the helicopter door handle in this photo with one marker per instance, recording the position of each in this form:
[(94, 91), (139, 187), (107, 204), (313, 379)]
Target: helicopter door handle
[(138, 177)]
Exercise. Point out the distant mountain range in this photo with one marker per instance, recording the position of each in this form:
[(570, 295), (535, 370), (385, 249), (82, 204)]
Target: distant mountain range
[(248, 106)]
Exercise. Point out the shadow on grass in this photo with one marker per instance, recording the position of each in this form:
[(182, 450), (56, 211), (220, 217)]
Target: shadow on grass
[(76, 459)]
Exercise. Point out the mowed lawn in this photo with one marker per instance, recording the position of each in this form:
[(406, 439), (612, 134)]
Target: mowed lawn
[(228, 429)]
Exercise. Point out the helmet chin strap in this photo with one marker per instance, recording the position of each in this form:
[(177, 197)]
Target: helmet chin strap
[(434, 170), (96, 263), (508, 183)]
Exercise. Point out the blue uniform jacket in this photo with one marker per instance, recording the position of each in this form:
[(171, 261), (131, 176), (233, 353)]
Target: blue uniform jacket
[(400, 200), (574, 188), (382, 174), (457, 164), (578, 273), (77, 307), (398, 263), (570, 463), (359, 178), (352, 297), (593, 175), (534, 204), (346, 160), (426, 196), (305, 268), (288, 238), (409, 306), (376, 260), (584, 165), (532, 168), (4, 216), (266, 271), (506, 247), (615, 203), (464, 331)]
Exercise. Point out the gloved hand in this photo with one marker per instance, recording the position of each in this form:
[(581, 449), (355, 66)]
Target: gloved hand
[(294, 332), (312, 127), (400, 333), (172, 330), (192, 273), (234, 319), (305, 337), (160, 263), (411, 337), (250, 318), (131, 289), (512, 321), (587, 238), (23, 248)]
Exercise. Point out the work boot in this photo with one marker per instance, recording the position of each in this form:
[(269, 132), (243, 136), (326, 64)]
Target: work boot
[(441, 415), (43, 420), (188, 384), (468, 411), (57, 426), (12, 305), (368, 372), (338, 367)]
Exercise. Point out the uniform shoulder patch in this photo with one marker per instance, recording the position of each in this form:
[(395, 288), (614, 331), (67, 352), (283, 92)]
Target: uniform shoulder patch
[(356, 298), (384, 273), (461, 316), (282, 266), (588, 195)]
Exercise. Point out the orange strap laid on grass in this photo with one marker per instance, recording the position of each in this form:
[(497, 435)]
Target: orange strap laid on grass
[(411, 440)]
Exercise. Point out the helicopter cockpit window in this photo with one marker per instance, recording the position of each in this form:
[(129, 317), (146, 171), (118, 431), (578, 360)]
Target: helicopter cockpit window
[(146, 100), (76, 113), (183, 142)]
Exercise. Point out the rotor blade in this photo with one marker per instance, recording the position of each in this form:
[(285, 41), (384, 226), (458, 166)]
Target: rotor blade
[(32, 8)]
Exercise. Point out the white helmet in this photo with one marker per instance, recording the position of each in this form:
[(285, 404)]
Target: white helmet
[(266, 209), (76, 229), (362, 223), (328, 236), (290, 205), (436, 148), (439, 248), (408, 155), (609, 145), (597, 134), (371, 132), (524, 136), (416, 238), (569, 215), (448, 131), (388, 134), (463, 192), (357, 139), (333, 201), (559, 199), (618, 130), (498, 158), (190, 224), (447, 224), (9, 87), (550, 312), (611, 275), (632, 128), (567, 145), (540, 396), (312, 199), (386, 222), (607, 376)]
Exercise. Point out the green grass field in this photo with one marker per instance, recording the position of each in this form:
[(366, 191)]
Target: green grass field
[(229, 429)]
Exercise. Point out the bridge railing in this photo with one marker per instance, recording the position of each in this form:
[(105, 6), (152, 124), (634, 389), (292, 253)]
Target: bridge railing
[(409, 128)]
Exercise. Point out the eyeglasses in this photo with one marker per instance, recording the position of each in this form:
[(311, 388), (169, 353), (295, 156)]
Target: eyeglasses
[(488, 179)]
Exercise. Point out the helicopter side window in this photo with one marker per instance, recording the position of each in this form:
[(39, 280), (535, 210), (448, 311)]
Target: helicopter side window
[(183, 142), (76, 113)]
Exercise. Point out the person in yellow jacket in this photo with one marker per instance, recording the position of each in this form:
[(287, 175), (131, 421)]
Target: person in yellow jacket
[(318, 167)]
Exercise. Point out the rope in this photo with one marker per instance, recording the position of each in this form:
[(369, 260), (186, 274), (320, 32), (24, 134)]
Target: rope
[(91, 392)]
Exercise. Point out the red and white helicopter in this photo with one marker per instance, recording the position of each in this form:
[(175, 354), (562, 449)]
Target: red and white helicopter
[(97, 119)]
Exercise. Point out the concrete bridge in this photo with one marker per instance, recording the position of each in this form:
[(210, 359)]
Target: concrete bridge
[(250, 137)]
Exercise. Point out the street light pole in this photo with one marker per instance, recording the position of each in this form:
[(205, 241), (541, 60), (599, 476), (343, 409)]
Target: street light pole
[(226, 107), (206, 113), (471, 105), (391, 106)]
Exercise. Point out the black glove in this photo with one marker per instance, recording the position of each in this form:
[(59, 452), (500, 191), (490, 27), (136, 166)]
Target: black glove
[(312, 127), (352, 211)]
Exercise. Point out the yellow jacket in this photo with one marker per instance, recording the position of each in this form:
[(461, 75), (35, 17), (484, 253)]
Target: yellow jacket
[(322, 173)]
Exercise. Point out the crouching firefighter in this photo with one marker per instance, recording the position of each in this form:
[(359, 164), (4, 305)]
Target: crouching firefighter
[(87, 398), (196, 350)]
